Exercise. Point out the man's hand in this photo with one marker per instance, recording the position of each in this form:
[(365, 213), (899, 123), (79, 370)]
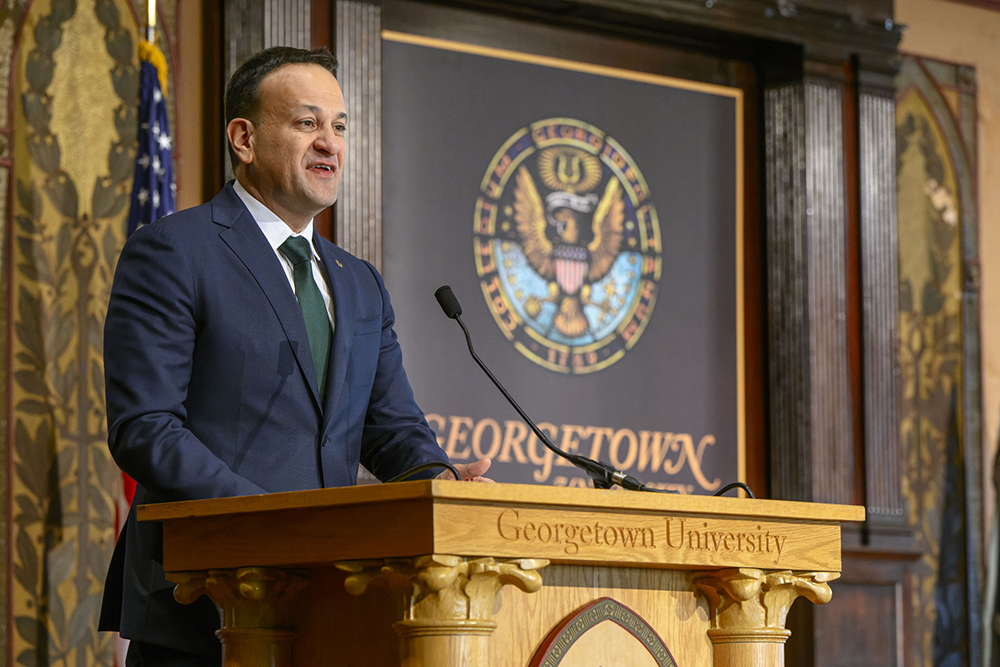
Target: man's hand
[(471, 472)]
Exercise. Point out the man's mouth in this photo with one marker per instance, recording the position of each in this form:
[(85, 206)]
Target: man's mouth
[(322, 167)]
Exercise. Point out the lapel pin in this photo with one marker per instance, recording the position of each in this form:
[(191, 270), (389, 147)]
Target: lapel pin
[(338, 263)]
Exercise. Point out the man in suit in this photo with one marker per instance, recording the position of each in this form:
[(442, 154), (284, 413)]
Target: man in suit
[(246, 354)]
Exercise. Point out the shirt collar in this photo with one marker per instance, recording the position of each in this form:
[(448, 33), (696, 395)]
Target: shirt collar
[(274, 228)]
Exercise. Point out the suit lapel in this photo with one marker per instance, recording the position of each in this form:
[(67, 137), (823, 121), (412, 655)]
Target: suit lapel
[(341, 283), (244, 237)]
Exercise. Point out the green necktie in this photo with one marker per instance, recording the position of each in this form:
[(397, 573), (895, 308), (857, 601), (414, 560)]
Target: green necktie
[(299, 253)]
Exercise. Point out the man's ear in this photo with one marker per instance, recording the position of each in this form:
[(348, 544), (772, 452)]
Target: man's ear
[(240, 133)]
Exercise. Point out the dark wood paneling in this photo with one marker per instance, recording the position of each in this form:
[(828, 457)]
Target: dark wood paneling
[(867, 623), (828, 29), (213, 114), (321, 34), (868, 613), (556, 38), (853, 271), (754, 284)]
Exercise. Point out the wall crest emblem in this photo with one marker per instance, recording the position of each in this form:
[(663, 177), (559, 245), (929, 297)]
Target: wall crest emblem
[(567, 246)]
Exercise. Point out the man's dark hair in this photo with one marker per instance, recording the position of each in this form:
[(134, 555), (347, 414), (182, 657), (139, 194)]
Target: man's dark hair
[(243, 92)]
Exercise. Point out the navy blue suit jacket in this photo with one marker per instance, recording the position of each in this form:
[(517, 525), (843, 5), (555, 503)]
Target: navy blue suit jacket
[(212, 392)]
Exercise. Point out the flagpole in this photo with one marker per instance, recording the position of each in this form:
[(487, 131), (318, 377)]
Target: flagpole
[(151, 21)]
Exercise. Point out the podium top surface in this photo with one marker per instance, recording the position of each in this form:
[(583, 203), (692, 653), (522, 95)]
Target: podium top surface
[(502, 494), (573, 526)]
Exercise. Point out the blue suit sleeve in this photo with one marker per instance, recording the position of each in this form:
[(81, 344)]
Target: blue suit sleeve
[(396, 435), (149, 343)]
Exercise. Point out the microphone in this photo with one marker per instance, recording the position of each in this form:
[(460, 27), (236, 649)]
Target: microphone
[(448, 302), (604, 475)]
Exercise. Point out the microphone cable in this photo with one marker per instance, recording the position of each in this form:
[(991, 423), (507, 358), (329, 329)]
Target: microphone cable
[(603, 475), (424, 466), (735, 485)]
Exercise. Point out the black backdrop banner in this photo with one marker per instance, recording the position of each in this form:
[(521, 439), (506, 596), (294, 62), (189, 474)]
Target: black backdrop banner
[(589, 219)]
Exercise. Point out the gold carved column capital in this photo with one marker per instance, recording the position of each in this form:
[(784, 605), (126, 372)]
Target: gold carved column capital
[(443, 587), (447, 601), (752, 605), (254, 605)]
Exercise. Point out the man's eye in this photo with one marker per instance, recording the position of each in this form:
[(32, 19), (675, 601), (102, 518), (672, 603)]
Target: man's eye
[(307, 123)]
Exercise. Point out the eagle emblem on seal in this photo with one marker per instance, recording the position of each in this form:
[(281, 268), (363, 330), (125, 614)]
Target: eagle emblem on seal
[(572, 236), (567, 246)]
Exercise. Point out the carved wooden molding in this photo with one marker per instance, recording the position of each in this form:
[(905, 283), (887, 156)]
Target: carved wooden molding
[(752, 605), (828, 29), (445, 587), (255, 606), (447, 602), (249, 597)]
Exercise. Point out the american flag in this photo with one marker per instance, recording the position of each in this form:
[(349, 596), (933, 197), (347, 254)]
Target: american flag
[(153, 188), (152, 198)]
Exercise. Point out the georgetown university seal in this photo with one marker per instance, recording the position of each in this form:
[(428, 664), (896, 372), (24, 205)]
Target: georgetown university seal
[(567, 246)]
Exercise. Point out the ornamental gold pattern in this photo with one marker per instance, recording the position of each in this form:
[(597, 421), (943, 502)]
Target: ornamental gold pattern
[(934, 180), (74, 88)]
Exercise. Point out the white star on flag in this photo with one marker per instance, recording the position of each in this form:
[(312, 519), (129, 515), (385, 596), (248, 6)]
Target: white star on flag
[(153, 191)]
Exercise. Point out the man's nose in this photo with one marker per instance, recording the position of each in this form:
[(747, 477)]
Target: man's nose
[(327, 141)]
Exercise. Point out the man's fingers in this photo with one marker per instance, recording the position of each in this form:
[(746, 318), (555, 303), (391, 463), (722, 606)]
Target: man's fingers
[(470, 471), (475, 469)]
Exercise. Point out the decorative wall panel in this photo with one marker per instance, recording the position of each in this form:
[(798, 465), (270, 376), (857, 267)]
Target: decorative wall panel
[(66, 162), (935, 167), (830, 438), (810, 403), (359, 208), (880, 323), (787, 284)]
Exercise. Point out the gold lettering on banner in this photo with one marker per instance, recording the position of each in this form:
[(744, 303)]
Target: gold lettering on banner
[(632, 451)]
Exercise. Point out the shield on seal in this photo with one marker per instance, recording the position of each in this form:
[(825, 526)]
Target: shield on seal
[(570, 274)]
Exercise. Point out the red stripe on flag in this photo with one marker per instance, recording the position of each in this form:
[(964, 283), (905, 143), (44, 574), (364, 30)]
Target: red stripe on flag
[(128, 488)]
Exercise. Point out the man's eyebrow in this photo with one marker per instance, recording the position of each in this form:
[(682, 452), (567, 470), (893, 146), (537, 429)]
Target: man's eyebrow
[(318, 111)]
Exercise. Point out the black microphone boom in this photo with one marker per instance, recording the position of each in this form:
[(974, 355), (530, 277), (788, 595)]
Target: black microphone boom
[(604, 476)]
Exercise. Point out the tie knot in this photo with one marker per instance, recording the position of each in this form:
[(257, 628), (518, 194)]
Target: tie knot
[(296, 249)]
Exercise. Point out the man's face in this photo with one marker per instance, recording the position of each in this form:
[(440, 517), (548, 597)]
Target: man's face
[(297, 149)]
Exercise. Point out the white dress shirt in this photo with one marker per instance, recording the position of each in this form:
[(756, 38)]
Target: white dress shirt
[(276, 231)]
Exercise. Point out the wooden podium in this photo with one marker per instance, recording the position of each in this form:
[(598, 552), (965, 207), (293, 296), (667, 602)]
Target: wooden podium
[(442, 573)]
